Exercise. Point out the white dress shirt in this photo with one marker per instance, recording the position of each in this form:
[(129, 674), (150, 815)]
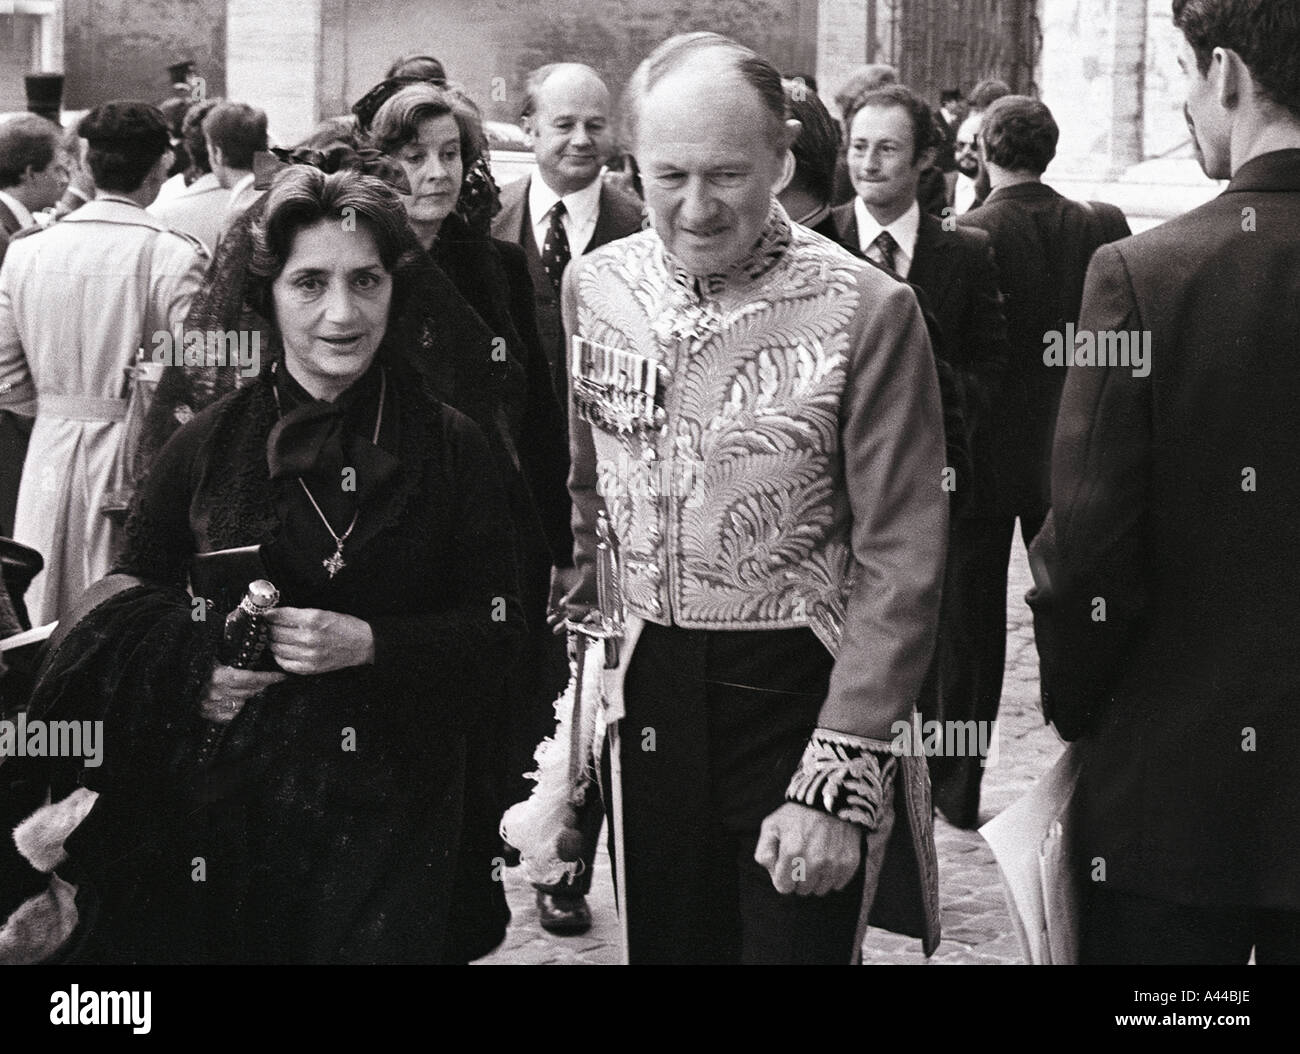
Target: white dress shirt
[(580, 211), (903, 230), (963, 194)]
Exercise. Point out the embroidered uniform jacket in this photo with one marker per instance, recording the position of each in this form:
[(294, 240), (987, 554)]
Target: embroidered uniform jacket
[(794, 478)]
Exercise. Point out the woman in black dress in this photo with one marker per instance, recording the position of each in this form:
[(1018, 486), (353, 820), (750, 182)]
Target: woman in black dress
[(436, 136), (328, 828)]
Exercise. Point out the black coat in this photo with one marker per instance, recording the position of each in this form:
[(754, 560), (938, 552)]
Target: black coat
[(313, 852), (1042, 242), (1176, 501), (956, 271)]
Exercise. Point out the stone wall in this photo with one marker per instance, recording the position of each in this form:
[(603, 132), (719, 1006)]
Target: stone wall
[(120, 49)]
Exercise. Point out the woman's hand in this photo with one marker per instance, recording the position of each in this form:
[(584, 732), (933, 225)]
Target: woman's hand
[(309, 640), (228, 689)]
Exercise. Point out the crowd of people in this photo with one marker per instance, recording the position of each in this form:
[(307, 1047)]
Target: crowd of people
[(795, 362)]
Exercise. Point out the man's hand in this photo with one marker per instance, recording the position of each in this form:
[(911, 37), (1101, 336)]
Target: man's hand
[(808, 852), (564, 583), (309, 640)]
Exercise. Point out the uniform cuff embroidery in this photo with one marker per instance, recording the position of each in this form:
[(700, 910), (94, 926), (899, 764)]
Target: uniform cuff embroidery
[(843, 775)]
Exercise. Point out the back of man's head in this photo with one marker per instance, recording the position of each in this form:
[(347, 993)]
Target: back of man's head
[(818, 146), (238, 131), (987, 92), (26, 141), (1264, 33), (124, 140), (862, 80), (196, 142), (1019, 134)]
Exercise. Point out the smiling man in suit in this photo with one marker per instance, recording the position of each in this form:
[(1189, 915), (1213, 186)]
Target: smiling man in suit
[(32, 177), (892, 138), (562, 211), (565, 209)]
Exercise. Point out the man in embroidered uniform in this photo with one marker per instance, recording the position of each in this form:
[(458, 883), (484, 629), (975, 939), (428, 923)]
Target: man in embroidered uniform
[(758, 413)]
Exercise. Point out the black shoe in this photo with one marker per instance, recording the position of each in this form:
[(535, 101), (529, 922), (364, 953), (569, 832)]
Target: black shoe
[(564, 914)]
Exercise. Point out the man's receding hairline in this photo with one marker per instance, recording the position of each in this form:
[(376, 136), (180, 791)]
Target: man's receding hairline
[(692, 64), (572, 69)]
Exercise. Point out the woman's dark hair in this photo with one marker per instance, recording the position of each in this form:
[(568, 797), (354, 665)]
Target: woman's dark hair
[(302, 196), (1019, 134), (1265, 33), (398, 120), (125, 139)]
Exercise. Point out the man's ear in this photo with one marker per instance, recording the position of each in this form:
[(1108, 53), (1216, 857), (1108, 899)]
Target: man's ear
[(930, 153), (215, 156), (529, 125), (1230, 77), (792, 130), (787, 173)]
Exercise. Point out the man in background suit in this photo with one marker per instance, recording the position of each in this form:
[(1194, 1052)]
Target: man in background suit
[(565, 210), (32, 177), (892, 139), (1174, 498), (1042, 242)]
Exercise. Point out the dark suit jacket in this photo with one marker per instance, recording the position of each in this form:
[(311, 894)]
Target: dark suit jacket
[(1176, 501), (955, 432), (619, 216), (955, 270), (1042, 242)]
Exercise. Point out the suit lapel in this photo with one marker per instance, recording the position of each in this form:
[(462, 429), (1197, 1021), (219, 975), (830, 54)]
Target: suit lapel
[(511, 224), (846, 225), (603, 232), (933, 264)]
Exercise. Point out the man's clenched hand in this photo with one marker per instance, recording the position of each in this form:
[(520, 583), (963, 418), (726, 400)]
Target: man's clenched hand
[(808, 852)]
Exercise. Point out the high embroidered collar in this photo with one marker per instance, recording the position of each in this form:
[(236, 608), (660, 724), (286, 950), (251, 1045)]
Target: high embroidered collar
[(766, 254)]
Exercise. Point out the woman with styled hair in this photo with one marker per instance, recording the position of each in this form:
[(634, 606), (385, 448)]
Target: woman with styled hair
[(436, 136), (312, 812)]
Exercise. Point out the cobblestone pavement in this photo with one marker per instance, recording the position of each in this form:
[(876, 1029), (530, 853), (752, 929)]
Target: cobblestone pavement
[(976, 926)]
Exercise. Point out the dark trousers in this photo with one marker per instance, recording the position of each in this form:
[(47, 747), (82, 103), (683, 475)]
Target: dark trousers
[(716, 723), (1128, 928), (970, 656)]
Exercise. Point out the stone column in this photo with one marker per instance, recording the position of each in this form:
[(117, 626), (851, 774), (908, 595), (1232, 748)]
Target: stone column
[(841, 43), (273, 60), (1093, 73)]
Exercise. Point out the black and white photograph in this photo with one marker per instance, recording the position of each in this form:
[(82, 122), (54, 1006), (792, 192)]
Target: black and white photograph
[(651, 482)]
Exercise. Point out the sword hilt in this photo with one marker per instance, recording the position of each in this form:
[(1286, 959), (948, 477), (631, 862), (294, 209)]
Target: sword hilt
[(609, 590)]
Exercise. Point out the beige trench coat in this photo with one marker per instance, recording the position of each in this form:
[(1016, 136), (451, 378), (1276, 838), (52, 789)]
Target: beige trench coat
[(76, 302)]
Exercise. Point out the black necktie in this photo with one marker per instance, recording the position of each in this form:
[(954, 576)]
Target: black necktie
[(887, 248), (555, 250)]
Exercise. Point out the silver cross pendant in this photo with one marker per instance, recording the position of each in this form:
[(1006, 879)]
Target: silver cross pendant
[(334, 564)]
